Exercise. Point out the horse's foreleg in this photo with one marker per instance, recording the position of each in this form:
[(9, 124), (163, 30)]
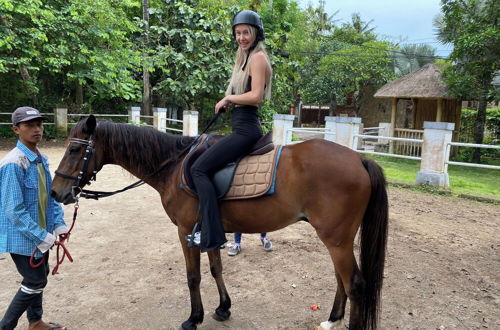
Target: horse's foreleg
[(192, 259), (222, 312)]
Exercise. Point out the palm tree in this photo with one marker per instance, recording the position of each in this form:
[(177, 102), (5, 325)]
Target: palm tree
[(412, 57)]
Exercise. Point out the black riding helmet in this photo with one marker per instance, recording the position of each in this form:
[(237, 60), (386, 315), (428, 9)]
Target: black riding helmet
[(251, 18)]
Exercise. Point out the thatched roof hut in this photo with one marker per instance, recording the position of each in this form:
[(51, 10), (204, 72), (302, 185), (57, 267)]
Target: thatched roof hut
[(429, 95), (425, 83)]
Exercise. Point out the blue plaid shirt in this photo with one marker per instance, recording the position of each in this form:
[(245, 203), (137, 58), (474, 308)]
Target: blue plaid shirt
[(20, 232)]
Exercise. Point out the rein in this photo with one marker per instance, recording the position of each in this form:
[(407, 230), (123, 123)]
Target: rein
[(60, 245)]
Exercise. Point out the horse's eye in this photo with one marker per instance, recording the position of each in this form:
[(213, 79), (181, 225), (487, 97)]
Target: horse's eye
[(74, 149)]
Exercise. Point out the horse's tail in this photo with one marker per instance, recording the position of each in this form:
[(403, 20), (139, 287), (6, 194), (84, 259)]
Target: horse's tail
[(373, 244)]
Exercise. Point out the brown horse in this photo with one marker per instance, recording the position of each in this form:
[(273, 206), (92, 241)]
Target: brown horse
[(332, 187)]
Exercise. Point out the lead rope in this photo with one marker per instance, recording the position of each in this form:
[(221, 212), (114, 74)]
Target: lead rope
[(60, 245)]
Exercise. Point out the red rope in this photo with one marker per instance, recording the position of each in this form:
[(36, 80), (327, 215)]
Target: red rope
[(60, 245)]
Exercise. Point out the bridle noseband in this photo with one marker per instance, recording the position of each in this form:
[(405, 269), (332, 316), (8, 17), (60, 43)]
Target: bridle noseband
[(82, 175)]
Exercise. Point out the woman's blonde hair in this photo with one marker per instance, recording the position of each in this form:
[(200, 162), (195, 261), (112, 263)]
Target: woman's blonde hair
[(241, 70)]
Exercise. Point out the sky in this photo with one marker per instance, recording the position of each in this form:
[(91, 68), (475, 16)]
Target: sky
[(402, 21)]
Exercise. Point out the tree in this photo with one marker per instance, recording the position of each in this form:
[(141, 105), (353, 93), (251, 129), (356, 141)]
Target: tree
[(348, 59), (409, 58), (59, 48), (472, 27)]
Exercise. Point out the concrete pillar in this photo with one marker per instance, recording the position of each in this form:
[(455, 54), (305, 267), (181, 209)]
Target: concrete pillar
[(281, 125), (433, 170), (330, 127), (61, 116), (134, 115), (160, 119), (190, 123), (385, 130), (344, 128)]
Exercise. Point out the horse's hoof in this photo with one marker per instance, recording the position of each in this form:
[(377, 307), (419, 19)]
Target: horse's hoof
[(186, 325), (220, 315)]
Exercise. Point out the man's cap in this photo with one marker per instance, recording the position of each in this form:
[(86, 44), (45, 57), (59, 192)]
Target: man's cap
[(25, 114)]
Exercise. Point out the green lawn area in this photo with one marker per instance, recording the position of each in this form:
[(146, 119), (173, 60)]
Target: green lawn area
[(473, 181)]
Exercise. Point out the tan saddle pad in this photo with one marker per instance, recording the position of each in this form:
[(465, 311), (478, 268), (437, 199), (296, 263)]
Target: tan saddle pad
[(253, 176)]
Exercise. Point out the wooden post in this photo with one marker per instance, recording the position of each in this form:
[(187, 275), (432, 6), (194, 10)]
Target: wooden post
[(439, 113), (393, 123)]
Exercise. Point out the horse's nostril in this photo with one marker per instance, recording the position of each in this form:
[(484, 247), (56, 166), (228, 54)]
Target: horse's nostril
[(53, 193)]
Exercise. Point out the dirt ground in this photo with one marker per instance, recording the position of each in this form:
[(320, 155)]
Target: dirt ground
[(442, 269)]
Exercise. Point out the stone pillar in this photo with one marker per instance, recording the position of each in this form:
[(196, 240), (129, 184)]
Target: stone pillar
[(330, 127), (281, 125), (61, 116), (433, 170), (160, 119), (190, 123), (385, 130), (134, 115), (344, 128)]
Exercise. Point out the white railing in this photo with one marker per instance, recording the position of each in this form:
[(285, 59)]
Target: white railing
[(408, 148), (81, 115), (327, 134), (471, 145), (376, 137), (173, 121), (43, 114)]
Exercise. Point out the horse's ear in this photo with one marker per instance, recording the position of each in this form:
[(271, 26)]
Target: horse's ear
[(90, 125)]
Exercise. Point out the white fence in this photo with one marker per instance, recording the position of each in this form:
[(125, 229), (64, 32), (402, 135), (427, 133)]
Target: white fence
[(435, 144), (164, 119)]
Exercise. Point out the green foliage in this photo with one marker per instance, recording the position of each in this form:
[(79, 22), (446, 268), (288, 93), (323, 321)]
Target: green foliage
[(48, 47), (491, 136), (409, 58), (190, 54), (472, 27), (343, 61)]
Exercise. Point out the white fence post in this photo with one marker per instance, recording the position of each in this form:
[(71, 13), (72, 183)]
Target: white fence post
[(190, 123), (385, 130), (330, 126), (160, 119), (134, 115), (61, 115), (433, 167), (344, 128), (281, 125)]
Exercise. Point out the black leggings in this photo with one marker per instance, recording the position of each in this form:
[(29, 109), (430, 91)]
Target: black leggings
[(246, 132)]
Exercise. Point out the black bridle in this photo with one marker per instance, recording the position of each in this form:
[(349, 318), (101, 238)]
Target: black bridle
[(82, 174)]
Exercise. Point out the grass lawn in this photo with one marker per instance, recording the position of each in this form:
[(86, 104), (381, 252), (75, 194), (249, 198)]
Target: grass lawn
[(473, 181)]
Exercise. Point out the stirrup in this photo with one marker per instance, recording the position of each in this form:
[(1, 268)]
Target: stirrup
[(194, 239)]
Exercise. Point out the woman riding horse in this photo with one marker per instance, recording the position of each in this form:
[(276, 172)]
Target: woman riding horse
[(250, 83)]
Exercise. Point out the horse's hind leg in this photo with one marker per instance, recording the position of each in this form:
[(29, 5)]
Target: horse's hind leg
[(352, 282), (222, 312), (336, 319), (349, 284)]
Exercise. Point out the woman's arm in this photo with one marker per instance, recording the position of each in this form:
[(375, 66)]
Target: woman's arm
[(258, 71)]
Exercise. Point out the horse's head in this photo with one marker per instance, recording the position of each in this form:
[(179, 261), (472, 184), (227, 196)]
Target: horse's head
[(79, 164)]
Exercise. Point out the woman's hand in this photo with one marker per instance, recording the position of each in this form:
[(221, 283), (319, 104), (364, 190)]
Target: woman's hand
[(222, 104)]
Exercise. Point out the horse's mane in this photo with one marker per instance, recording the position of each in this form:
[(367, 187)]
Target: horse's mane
[(142, 149)]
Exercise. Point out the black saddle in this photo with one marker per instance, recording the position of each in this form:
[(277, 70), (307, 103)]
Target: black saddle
[(222, 178)]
